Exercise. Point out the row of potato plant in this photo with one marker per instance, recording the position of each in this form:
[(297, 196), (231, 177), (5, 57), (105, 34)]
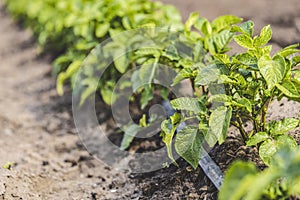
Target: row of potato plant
[(228, 89)]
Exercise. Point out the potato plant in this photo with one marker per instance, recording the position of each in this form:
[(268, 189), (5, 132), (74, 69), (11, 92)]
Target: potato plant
[(238, 89), (229, 90), (71, 29), (281, 180)]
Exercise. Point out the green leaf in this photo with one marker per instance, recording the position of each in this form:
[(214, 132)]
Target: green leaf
[(244, 41), (220, 98), (224, 22), (285, 141), (207, 75), (136, 81), (121, 59), (130, 133), (238, 180), (248, 60), (219, 122), (206, 28), (147, 95), (188, 145), (223, 79), (102, 29), (201, 22), (168, 128), (62, 77), (223, 58), (243, 181), (182, 74), (147, 71), (143, 121), (126, 23), (260, 183), (189, 104), (264, 37), (297, 75), (283, 126), (171, 53), (246, 28), (257, 138), (289, 89), (148, 52), (246, 103), (216, 89), (221, 40), (266, 151), (107, 93), (191, 21), (91, 85), (273, 71), (287, 51)]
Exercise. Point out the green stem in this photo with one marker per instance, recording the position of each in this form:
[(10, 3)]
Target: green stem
[(264, 115), (262, 107), (239, 125)]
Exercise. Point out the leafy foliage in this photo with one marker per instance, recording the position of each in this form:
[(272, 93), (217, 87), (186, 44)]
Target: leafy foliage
[(228, 89), (279, 181), (72, 29), (240, 88)]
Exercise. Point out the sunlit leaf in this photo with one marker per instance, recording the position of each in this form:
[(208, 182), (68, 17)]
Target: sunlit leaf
[(244, 41), (219, 122), (189, 104), (273, 70), (257, 138), (188, 145)]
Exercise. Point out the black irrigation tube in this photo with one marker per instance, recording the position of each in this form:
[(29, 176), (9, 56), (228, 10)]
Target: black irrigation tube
[(210, 168)]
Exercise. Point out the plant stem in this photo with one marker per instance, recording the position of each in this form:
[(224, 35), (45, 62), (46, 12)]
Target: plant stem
[(264, 115), (240, 127)]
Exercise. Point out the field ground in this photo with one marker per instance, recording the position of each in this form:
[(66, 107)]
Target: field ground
[(39, 138)]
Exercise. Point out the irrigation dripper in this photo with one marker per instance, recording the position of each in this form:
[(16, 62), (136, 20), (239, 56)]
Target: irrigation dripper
[(210, 168)]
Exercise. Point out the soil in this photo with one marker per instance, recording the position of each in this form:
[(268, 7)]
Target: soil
[(39, 138)]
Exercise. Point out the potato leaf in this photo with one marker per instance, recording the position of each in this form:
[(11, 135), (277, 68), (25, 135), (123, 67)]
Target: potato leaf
[(266, 150), (188, 104), (191, 21), (283, 126), (188, 145), (63, 76), (224, 22), (245, 28), (273, 70), (221, 40), (244, 41), (264, 37), (237, 181), (168, 128), (102, 29), (289, 50), (121, 59), (219, 122), (285, 141), (289, 89), (130, 133), (90, 88), (269, 147), (243, 181), (207, 75), (257, 138)]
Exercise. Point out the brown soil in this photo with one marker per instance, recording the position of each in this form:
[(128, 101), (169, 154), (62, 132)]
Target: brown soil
[(38, 135)]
